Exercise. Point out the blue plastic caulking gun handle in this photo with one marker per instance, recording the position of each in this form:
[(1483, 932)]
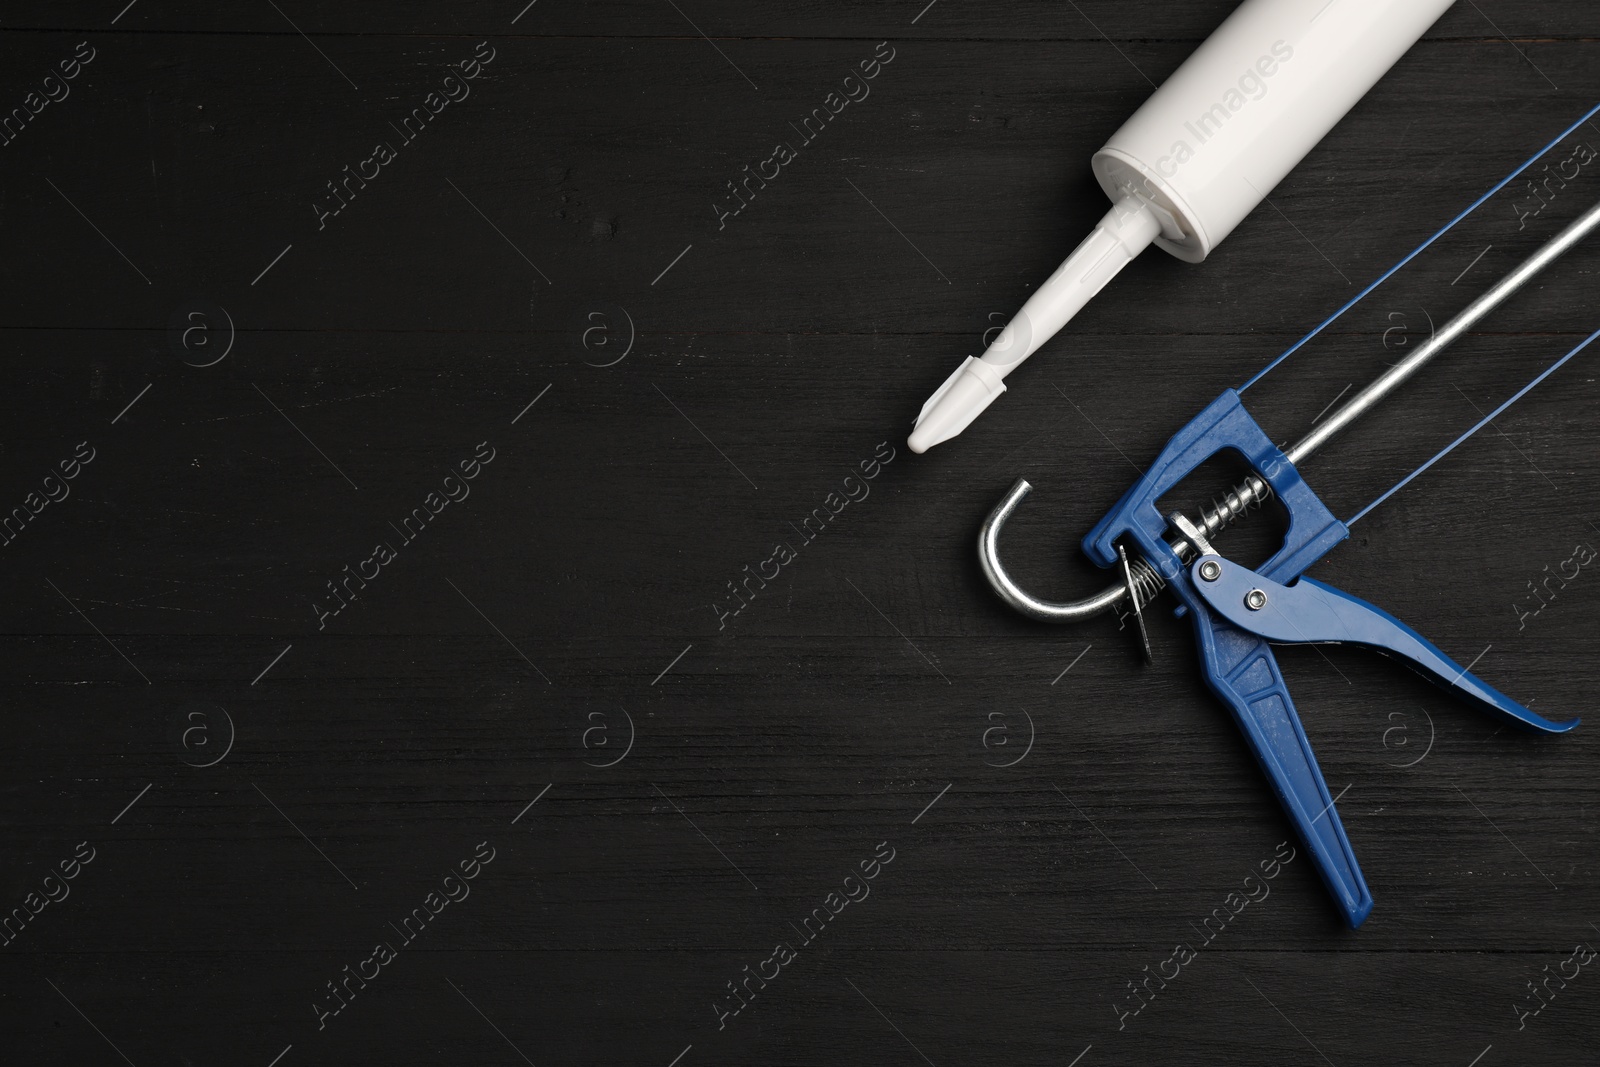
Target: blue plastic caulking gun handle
[(1239, 666)]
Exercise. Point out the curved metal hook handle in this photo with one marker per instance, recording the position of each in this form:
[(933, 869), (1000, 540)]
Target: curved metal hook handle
[(1011, 592)]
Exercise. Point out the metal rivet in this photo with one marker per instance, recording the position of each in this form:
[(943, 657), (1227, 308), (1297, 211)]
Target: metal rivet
[(1211, 570), (1255, 600)]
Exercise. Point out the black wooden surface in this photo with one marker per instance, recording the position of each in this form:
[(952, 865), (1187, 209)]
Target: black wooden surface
[(265, 799)]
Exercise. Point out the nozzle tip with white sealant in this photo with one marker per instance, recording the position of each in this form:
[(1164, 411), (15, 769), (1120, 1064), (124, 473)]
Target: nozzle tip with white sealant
[(1125, 231), (962, 398)]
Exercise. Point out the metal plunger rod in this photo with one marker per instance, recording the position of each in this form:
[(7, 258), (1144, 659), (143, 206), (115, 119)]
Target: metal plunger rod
[(1254, 490), (1390, 379)]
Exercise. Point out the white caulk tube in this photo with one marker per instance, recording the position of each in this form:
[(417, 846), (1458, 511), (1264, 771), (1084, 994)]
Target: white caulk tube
[(1201, 153)]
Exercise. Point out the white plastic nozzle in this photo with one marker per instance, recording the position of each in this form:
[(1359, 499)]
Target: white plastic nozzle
[(1125, 231), (962, 398)]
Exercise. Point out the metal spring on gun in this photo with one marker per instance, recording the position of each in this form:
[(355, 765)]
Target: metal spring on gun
[(1247, 496), (1224, 512), (1147, 581)]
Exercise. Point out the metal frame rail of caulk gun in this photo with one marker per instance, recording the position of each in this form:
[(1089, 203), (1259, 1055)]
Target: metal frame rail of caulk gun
[(1236, 611)]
